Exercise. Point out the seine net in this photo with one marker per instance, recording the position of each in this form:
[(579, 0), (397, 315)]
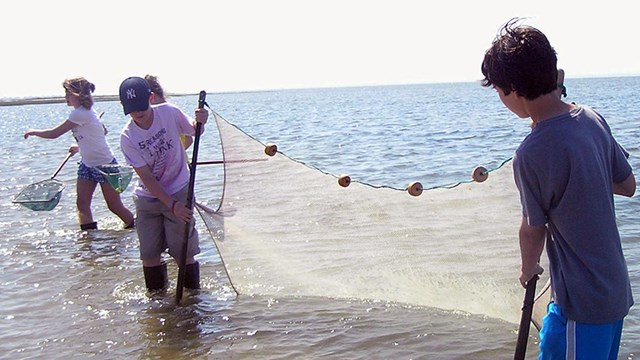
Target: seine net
[(284, 228)]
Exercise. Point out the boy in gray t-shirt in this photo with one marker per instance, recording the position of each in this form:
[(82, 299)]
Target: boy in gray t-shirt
[(566, 171)]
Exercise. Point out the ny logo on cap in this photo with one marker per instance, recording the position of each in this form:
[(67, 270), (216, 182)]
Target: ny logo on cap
[(131, 93)]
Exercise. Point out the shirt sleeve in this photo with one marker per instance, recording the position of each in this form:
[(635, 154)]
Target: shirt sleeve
[(185, 123), (77, 117), (620, 164)]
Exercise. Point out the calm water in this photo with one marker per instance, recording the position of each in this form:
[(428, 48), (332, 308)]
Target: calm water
[(68, 294)]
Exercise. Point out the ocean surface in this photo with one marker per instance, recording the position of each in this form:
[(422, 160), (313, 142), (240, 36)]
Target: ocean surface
[(65, 293)]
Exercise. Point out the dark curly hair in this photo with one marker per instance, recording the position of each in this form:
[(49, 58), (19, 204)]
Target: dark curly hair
[(520, 59)]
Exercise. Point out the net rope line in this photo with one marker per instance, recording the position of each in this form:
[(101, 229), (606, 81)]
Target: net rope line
[(444, 186), (453, 185)]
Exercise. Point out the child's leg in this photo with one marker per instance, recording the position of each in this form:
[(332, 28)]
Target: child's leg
[(152, 243), (562, 338), (85, 189), (114, 202), (553, 338), (175, 233), (597, 341), (155, 277)]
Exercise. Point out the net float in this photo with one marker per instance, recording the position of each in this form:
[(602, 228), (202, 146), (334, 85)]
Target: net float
[(270, 149), (480, 174), (344, 180), (415, 188)]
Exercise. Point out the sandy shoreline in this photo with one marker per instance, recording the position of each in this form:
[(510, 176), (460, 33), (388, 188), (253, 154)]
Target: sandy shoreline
[(60, 99)]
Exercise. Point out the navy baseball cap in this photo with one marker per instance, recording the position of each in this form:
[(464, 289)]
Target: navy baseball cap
[(134, 94)]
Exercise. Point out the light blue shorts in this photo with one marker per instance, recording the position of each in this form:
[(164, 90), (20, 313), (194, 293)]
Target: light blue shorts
[(562, 338)]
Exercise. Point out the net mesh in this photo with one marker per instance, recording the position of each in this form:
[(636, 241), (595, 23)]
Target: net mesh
[(117, 176), (285, 228), (41, 196)]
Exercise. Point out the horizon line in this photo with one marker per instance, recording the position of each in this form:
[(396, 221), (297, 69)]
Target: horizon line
[(52, 99)]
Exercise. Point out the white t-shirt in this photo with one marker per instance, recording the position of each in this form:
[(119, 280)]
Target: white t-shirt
[(89, 135), (159, 148)]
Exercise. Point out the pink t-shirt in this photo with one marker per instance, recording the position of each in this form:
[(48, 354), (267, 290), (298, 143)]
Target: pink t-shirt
[(159, 147)]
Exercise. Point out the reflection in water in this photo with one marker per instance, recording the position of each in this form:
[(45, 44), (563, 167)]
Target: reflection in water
[(107, 248), (171, 331)]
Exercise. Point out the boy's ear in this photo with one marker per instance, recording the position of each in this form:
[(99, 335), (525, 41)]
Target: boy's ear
[(561, 90)]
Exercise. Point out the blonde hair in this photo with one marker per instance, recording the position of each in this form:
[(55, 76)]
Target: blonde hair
[(82, 88)]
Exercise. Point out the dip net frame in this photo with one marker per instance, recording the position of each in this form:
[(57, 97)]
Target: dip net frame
[(40, 196), (43, 195), (118, 176)]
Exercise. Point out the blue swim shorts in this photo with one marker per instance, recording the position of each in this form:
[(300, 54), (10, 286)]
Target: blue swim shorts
[(88, 173), (562, 338)]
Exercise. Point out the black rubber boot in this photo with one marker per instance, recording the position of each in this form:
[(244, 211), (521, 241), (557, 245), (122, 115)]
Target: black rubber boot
[(155, 277), (89, 226), (192, 276)]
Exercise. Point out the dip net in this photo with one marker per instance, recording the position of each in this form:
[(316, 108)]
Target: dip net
[(285, 228), (118, 176), (41, 196)]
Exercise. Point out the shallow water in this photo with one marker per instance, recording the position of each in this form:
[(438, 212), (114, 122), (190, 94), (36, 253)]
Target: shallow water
[(71, 294)]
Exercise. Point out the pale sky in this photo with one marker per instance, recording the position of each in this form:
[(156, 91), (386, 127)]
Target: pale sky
[(244, 45)]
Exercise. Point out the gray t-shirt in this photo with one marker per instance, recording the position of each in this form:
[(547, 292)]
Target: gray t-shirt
[(565, 170)]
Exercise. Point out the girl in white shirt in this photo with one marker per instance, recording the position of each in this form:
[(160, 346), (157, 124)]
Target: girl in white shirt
[(94, 150)]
